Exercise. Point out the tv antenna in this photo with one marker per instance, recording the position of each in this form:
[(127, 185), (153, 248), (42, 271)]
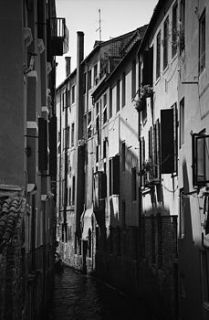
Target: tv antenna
[(100, 26)]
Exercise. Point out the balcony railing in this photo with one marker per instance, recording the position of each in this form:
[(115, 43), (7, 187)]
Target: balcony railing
[(58, 37)]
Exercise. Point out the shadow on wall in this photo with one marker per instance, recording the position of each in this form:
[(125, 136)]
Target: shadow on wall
[(189, 262)]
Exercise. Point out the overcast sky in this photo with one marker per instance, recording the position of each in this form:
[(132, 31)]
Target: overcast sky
[(117, 17)]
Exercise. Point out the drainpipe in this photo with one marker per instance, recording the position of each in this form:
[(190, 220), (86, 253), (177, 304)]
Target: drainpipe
[(65, 173), (79, 159)]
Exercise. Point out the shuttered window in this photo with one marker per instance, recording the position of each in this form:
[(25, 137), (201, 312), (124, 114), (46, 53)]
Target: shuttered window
[(167, 141), (42, 145), (147, 76), (142, 161), (200, 165), (114, 175), (53, 145)]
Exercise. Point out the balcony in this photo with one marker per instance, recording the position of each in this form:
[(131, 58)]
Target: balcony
[(58, 36)]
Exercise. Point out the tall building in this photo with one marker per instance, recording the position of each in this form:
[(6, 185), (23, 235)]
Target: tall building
[(31, 38), (174, 140), (193, 104), (139, 163), (77, 161)]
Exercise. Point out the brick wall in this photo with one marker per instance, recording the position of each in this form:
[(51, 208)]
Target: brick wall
[(12, 259)]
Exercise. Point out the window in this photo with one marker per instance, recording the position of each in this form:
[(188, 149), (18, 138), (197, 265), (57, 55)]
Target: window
[(42, 144), (89, 124), (154, 152), (67, 138), (133, 78), (97, 153), (174, 29), (89, 79), (147, 71), (114, 175), (105, 115), (84, 83), (95, 75), (73, 94), (202, 42), (104, 149), (97, 108), (133, 178), (69, 196), (182, 214), (99, 189), (104, 100), (110, 103), (182, 26), (181, 123), (97, 124), (104, 108), (142, 161), (73, 191), (123, 89), (158, 53), (68, 98), (165, 43), (118, 95), (123, 156), (64, 94), (200, 165), (206, 214), (72, 135)]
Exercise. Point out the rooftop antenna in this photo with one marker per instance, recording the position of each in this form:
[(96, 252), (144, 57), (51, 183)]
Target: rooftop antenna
[(100, 26)]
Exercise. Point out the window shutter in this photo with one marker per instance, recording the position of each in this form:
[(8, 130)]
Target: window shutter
[(42, 146), (116, 174), (167, 141), (53, 146), (175, 127), (148, 67), (154, 148), (142, 161), (158, 149), (110, 176)]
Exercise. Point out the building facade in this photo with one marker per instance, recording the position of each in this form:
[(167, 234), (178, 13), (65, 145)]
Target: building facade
[(141, 138), (84, 156), (176, 140), (30, 37), (193, 101)]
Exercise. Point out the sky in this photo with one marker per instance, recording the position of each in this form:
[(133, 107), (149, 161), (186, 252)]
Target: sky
[(117, 17)]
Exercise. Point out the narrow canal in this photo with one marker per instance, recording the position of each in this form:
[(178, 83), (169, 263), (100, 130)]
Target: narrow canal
[(81, 297)]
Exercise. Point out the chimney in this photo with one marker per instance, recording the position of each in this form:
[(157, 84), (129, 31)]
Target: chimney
[(67, 66)]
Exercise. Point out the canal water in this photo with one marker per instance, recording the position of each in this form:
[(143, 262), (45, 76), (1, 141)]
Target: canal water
[(81, 297)]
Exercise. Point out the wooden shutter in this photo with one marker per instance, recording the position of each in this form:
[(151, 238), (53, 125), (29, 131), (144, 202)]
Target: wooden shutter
[(148, 67), (157, 149), (142, 161), (53, 146), (116, 174), (167, 141), (42, 146)]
